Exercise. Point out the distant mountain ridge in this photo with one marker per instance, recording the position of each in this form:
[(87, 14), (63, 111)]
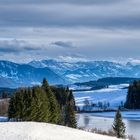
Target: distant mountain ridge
[(59, 72), (88, 71), (15, 75)]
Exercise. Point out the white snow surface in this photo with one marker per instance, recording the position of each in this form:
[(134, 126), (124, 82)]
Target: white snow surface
[(44, 131), (115, 95)]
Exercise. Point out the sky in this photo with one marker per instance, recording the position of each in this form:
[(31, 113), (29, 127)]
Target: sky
[(69, 30)]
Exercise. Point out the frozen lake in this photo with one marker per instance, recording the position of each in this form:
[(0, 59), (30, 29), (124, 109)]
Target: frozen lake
[(104, 121), (115, 95)]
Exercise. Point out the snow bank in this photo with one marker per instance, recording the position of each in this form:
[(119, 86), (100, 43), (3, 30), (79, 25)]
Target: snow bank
[(43, 131)]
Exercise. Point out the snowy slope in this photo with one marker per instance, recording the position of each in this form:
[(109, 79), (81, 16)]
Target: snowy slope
[(43, 131), (115, 95)]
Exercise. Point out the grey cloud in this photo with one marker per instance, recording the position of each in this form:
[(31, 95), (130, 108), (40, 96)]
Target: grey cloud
[(63, 44), (8, 50), (31, 48), (92, 28), (16, 46), (124, 14), (59, 1)]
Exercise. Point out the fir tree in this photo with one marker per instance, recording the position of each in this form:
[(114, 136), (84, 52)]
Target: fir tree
[(54, 107), (133, 96), (39, 106), (12, 109), (16, 106), (43, 104), (70, 119), (118, 125)]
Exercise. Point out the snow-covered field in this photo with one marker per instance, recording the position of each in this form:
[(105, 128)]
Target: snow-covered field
[(43, 131), (114, 95)]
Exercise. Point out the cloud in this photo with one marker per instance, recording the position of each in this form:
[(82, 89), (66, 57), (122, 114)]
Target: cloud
[(53, 28), (107, 14), (40, 43), (73, 58), (59, 1), (134, 61), (16, 46), (63, 44), (8, 50), (31, 48)]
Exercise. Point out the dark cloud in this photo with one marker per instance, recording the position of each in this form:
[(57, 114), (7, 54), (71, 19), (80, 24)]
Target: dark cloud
[(29, 14), (63, 44), (16, 46), (31, 48), (41, 28), (8, 49)]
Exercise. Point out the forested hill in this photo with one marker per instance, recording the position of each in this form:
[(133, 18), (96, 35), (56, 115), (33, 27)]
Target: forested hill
[(105, 82)]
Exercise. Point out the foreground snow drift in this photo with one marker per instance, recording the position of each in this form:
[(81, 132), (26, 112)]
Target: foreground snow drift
[(43, 131)]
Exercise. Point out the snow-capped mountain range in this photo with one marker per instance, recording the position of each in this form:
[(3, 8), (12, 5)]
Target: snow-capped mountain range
[(90, 70), (14, 75), (58, 72)]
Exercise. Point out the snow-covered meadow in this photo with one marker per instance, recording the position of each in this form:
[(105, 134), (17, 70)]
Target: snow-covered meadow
[(115, 95)]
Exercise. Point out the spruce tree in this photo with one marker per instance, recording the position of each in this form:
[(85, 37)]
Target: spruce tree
[(12, 108), (70, 119), (39, 109), (118, 125), (133, 96), (43, 104), (54, 107), (16, 106)]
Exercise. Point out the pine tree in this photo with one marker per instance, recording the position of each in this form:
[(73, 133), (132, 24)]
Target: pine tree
[(133, 96), (118, 125), (39, 109), (54, 107), (43, 104), (70, 119), (12, 109), (16, 106)]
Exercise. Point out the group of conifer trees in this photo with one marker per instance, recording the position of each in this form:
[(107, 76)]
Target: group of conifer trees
[(43, 104), (133, 96)]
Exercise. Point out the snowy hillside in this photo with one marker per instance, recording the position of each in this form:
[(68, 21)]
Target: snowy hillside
[(114, 95), (43, 131), (90, 70)]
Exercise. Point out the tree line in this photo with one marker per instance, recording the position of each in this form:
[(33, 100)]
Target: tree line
[(133, 96), (43, 104)]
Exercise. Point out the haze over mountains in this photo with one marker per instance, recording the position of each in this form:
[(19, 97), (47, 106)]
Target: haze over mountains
[(59, 72)]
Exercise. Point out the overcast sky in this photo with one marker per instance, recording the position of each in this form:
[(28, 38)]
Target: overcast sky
[(69, 29)]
